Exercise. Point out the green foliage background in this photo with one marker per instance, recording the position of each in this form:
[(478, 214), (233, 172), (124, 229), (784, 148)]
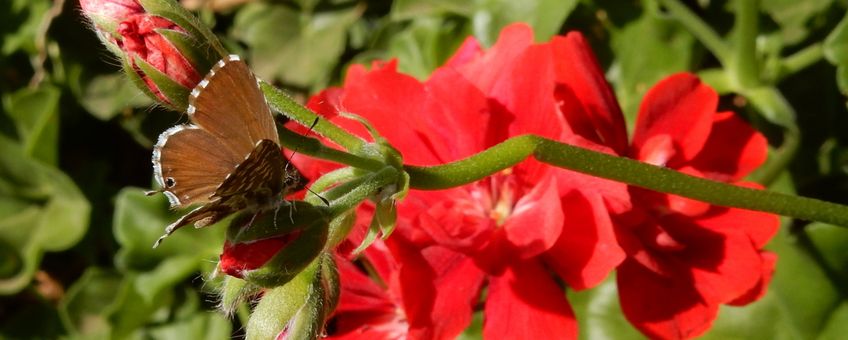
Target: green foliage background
[(75, 139)]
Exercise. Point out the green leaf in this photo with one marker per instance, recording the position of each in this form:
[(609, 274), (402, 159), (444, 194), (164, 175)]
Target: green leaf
[(599, 313), (837, 326), (106, 304), (634, 71), (416, 9), (85, 308), (425, 45), (299, 49), (836, 43), (793, 16), (545, 16), (19, 24), (139, 220), (36, 116), (830, 242), (108, 95), (43, 211)]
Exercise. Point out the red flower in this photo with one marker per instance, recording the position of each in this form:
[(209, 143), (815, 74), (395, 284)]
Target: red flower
[(387, 307), (504, 230), (126, 24), (685, 258)]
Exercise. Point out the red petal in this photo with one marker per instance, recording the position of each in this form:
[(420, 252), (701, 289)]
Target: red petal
[(487, 69), (440, 288), (722, 260), (660, 307), (585, 98), (525, 89), (587, 249), (536, 220), (468, 51), (759, 226), (679, 106), (525, 303), (769, 261), (458, 115), (733, 150), (392, 103), (239, 257)]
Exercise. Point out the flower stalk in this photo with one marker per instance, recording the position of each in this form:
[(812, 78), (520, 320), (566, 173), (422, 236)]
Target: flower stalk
[(514, 150)]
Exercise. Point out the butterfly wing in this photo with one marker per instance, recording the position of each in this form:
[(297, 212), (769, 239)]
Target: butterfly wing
[(258, 177), (255, 183), (230, 106), (189, 164)]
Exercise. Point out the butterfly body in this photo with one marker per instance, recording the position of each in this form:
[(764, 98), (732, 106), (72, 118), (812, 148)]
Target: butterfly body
[(228, 159)]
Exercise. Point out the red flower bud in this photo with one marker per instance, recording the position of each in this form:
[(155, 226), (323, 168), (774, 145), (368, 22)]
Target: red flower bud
[(271, 248), (163, 50), (140, 37)]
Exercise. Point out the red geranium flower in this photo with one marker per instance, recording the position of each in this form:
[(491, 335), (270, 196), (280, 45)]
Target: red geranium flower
[(685, 258), (504, 230)]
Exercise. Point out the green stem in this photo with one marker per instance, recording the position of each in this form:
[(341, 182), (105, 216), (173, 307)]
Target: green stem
[(312, 147), (281, 102), (744, 67), (348, 195), (699, 29), (625, 170), (801, 59)]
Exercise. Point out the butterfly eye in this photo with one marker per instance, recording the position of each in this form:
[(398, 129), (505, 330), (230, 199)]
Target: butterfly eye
[(169, 182)]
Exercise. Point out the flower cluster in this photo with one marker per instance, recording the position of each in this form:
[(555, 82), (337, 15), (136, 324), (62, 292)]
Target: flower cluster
[(507, 244)]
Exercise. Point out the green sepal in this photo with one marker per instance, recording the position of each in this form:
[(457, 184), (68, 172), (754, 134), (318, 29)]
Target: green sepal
[(135, 78), (308, 225), (235, 291), (201, 59), (340, 227), (297, 215), (386, 215), (172, 11), (308, 322), (301, 307), (370, 237), (176, 94), (277, 306)]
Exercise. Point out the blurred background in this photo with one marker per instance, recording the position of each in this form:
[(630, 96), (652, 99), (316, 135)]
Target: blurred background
[(76, 137)]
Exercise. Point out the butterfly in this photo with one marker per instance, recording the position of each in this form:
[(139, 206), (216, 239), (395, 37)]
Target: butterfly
[(228, 158)]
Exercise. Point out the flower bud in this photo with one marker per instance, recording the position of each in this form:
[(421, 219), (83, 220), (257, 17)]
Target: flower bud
[(270, 248), (299, 308), (163, 49)]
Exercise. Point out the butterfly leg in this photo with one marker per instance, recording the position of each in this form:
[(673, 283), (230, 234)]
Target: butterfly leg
[(200, 217)]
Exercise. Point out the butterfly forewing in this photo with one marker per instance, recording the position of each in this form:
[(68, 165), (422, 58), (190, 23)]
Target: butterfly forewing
[(189, 164), (229, 105)]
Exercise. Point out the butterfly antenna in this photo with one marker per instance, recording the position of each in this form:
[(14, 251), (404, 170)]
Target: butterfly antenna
[(311, 126), (294, 152)]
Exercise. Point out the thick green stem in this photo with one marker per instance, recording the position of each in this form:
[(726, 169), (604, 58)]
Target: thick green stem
[(744, 66), (625, 170), (281, 102), (699, 29)]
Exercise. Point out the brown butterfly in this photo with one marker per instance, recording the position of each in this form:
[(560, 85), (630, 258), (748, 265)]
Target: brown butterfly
[(228, 159)]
